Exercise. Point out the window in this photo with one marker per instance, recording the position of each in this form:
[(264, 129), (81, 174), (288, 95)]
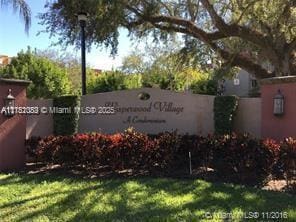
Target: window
[(254, 83)]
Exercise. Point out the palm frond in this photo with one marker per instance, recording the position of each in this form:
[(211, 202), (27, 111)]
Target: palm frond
[(23, 8)]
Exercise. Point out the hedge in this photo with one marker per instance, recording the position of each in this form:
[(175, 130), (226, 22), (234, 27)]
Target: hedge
[(66, 123), (235, 158), (224, 111)]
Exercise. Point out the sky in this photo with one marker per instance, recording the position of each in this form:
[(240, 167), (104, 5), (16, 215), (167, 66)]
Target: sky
[(13, 38)]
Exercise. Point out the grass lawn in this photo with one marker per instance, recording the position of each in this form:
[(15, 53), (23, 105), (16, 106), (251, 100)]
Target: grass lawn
[(55, 197)]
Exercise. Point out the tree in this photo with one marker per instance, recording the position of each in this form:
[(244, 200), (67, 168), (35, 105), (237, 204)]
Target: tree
[(107, 82), (22, 7), (68, 62), (133, 63), (48, 78), (165, 67), (258, 36)]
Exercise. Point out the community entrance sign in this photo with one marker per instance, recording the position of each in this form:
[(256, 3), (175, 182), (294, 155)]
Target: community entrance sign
[(148, 110)]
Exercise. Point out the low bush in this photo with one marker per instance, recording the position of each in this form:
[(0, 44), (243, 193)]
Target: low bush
[(76, 149), (127, 150), (31, 146), (205, 86), (66, 123), (235, 158), (241, 158), (224, 110), (107, 82), (287, 161)]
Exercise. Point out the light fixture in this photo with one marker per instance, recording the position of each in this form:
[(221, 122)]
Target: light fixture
[(9, 103), (278, 104), (82, 17)]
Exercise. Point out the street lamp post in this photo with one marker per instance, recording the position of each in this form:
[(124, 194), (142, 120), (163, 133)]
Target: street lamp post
[(82, 18)]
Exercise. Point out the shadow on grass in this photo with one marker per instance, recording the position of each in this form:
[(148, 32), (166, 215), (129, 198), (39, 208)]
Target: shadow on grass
[(143, 199)]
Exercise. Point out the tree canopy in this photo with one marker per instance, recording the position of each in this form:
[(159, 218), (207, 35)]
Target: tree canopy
[(159, 66), (48, 78), (258, 36)]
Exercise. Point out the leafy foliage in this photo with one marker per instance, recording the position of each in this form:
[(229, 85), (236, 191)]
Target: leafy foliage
[(31, 146), (224, 110), (107, 82), (102, 24), (166, 67), (70, 63), (258, 36), (48, 78), (288, 160), (134, 63), (234, 158), (208, 87), (243, 159), (66, 123)]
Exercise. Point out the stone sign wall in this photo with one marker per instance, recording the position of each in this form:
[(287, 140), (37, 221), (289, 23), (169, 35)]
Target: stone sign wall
[(148, 110)]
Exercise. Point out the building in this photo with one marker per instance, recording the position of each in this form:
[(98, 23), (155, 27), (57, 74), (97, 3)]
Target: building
[(97, 71), (4, 60), (243, 84)]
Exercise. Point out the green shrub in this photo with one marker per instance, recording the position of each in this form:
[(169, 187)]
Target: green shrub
[(133, 81), (47, 77), (199, 82), (31, 146), (240, 158), (66, 123), (157, 80), (107, 82), (288, 161), (224, 111), (234, 158), (207, 87)]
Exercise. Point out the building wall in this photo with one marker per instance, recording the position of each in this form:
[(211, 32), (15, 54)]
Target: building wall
[(13, 129), (197, 115), (248, 117), (42, 124), (282, 126), (242, 89), (4, 60)]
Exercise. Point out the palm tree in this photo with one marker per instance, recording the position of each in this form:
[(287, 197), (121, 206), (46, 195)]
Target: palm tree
[(22, 7)]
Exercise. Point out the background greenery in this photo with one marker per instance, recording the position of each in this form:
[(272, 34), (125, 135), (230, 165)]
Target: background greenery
[(161, 66), (54, 74), (48, 78)]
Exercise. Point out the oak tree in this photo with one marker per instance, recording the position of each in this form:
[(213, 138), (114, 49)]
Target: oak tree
[(256, 35)]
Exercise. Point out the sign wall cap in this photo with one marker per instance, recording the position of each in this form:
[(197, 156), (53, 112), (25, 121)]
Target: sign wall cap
[(15, 81), (277, 80)]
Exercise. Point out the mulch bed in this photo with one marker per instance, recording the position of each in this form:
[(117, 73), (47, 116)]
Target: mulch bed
[(106, 172)]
